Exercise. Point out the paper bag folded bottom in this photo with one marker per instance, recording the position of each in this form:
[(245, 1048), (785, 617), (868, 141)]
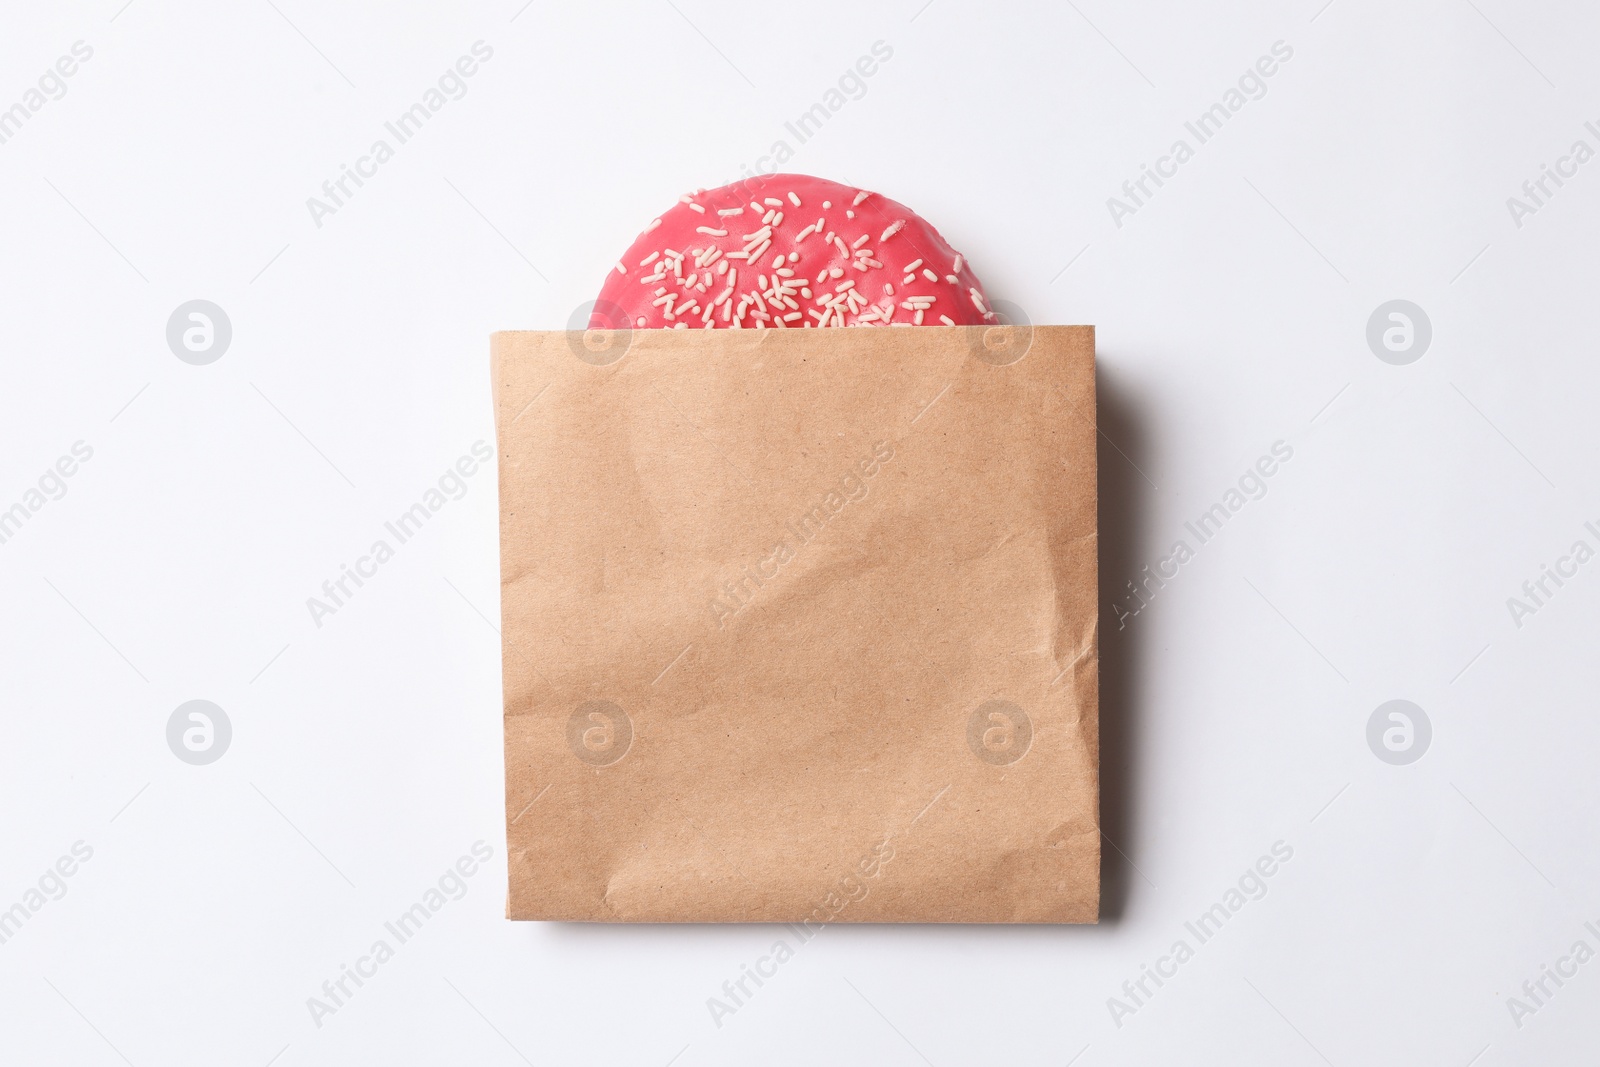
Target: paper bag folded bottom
[(800, 625)]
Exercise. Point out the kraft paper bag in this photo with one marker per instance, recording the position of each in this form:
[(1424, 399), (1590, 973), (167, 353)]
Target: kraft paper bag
[(800, 625)]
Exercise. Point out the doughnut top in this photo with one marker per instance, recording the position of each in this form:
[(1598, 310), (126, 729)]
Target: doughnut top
[(789, 250)]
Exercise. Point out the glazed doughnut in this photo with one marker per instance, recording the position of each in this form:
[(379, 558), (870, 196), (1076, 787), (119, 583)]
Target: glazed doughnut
[(786, 251)]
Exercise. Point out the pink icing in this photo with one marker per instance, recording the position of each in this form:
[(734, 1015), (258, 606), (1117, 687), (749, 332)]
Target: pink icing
[(872, 262)]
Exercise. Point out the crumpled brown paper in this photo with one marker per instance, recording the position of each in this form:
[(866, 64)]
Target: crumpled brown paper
[(800, 625)]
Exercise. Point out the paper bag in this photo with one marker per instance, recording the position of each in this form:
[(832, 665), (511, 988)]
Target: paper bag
[(800, 625)]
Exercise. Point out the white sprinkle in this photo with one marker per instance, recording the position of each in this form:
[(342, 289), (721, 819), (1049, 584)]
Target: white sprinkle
[(773, 201), (656, 277), (918, 320), (783, 272), (888, 290), (778, 260), (793, 256), (648, 259), (834, 272), (842, 286), (951, 278), (928, 274), (908, 279), (620, 268), (738, 255), (977, 300), (827, 204), (681, 326), (795, 200), (685, 199), (843, 251), (730, 211), (652, 226), (859, 241), (697, 207), (860, 197), (758, 207), (806, 292), (894, 227), (913, 265), (722, 267), (709, 232), (639, 322), (807, 232), (957, 268), (947, 320), (777, 218), (849, 214)]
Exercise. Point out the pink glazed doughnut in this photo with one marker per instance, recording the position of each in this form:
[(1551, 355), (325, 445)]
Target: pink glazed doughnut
[(788, 251)]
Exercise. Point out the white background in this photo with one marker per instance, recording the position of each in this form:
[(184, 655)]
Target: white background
[(1231, 310)]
